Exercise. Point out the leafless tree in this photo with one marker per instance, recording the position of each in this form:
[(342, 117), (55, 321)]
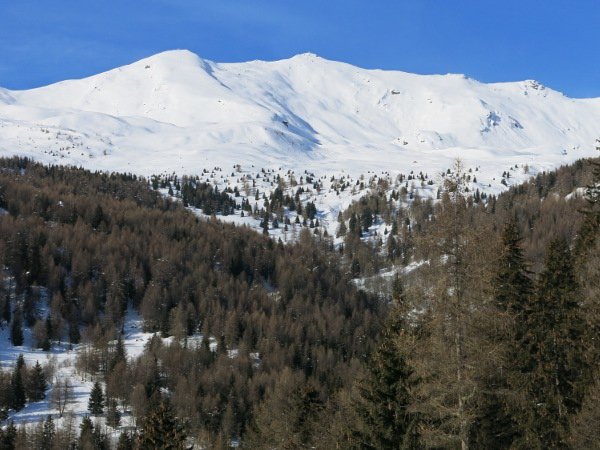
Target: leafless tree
[(62, 394)]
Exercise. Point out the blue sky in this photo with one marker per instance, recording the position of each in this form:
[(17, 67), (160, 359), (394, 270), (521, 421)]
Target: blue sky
[(554, 41)]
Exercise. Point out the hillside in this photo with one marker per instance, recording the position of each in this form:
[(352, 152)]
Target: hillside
[(177, 112), (107, 281)]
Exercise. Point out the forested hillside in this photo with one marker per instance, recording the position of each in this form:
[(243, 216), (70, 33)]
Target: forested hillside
[(484, 338)]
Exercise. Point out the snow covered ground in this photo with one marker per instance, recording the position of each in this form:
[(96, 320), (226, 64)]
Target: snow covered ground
[(177, 112), (62, 358)]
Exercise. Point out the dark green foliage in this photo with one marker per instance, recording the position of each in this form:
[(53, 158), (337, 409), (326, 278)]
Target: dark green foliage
[(125, 442), (113, 416), (497, 424), (512, 284), (86, 431), (118, 354), (48, 433), (554, 372), (96, 401), (310, 211), (385, 393), (393, 250), (91, 437), (205, 196), (16, 328), (36, 383), (18, 397), (7, 437), (161, 429), (74, 335)]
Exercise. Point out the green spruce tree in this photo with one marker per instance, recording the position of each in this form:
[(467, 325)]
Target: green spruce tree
[(119, 354), (125, 442), (385, 392), (8, 437), (553, 369), (36, 383), (497, 423), (16, 328), (48, 433), (96, 401), (512, 285), (86, 434), (17, 385), (113, 416)]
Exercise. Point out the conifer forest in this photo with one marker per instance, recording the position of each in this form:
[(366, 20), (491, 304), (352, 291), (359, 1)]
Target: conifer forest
[(475, 326)]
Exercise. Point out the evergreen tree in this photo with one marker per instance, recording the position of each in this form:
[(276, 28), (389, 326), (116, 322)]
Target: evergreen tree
[(512, 285), (342, 229), (96, 401), (385, 393), (86, 434), (113, 416), (18, 389), (554, 372), (125, 442), (497, 423), (393, 250), (8, 437), (48, 433), (161, 430), (118, 355), (74, 335), (100, 439), (91, 437), (36, 383), (16, 328)]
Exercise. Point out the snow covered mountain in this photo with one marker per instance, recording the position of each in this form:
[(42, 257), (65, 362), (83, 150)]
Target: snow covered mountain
[(177, 112)]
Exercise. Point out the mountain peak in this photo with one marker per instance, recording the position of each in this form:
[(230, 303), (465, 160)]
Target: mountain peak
[(307, 56), (173, 59), (298, 111)]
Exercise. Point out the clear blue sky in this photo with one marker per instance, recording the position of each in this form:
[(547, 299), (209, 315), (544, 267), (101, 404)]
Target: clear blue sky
[(554, 41)]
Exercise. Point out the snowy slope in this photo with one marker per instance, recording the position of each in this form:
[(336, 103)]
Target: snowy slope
[(177, 112)]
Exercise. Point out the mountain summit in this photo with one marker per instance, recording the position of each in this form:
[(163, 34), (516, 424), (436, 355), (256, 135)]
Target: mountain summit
[(177, 111)]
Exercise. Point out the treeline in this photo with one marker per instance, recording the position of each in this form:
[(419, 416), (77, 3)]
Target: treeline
[(547, 206), (272, 211)]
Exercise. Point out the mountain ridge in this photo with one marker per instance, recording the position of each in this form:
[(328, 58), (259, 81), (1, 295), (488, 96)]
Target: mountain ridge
[(175, 111)]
